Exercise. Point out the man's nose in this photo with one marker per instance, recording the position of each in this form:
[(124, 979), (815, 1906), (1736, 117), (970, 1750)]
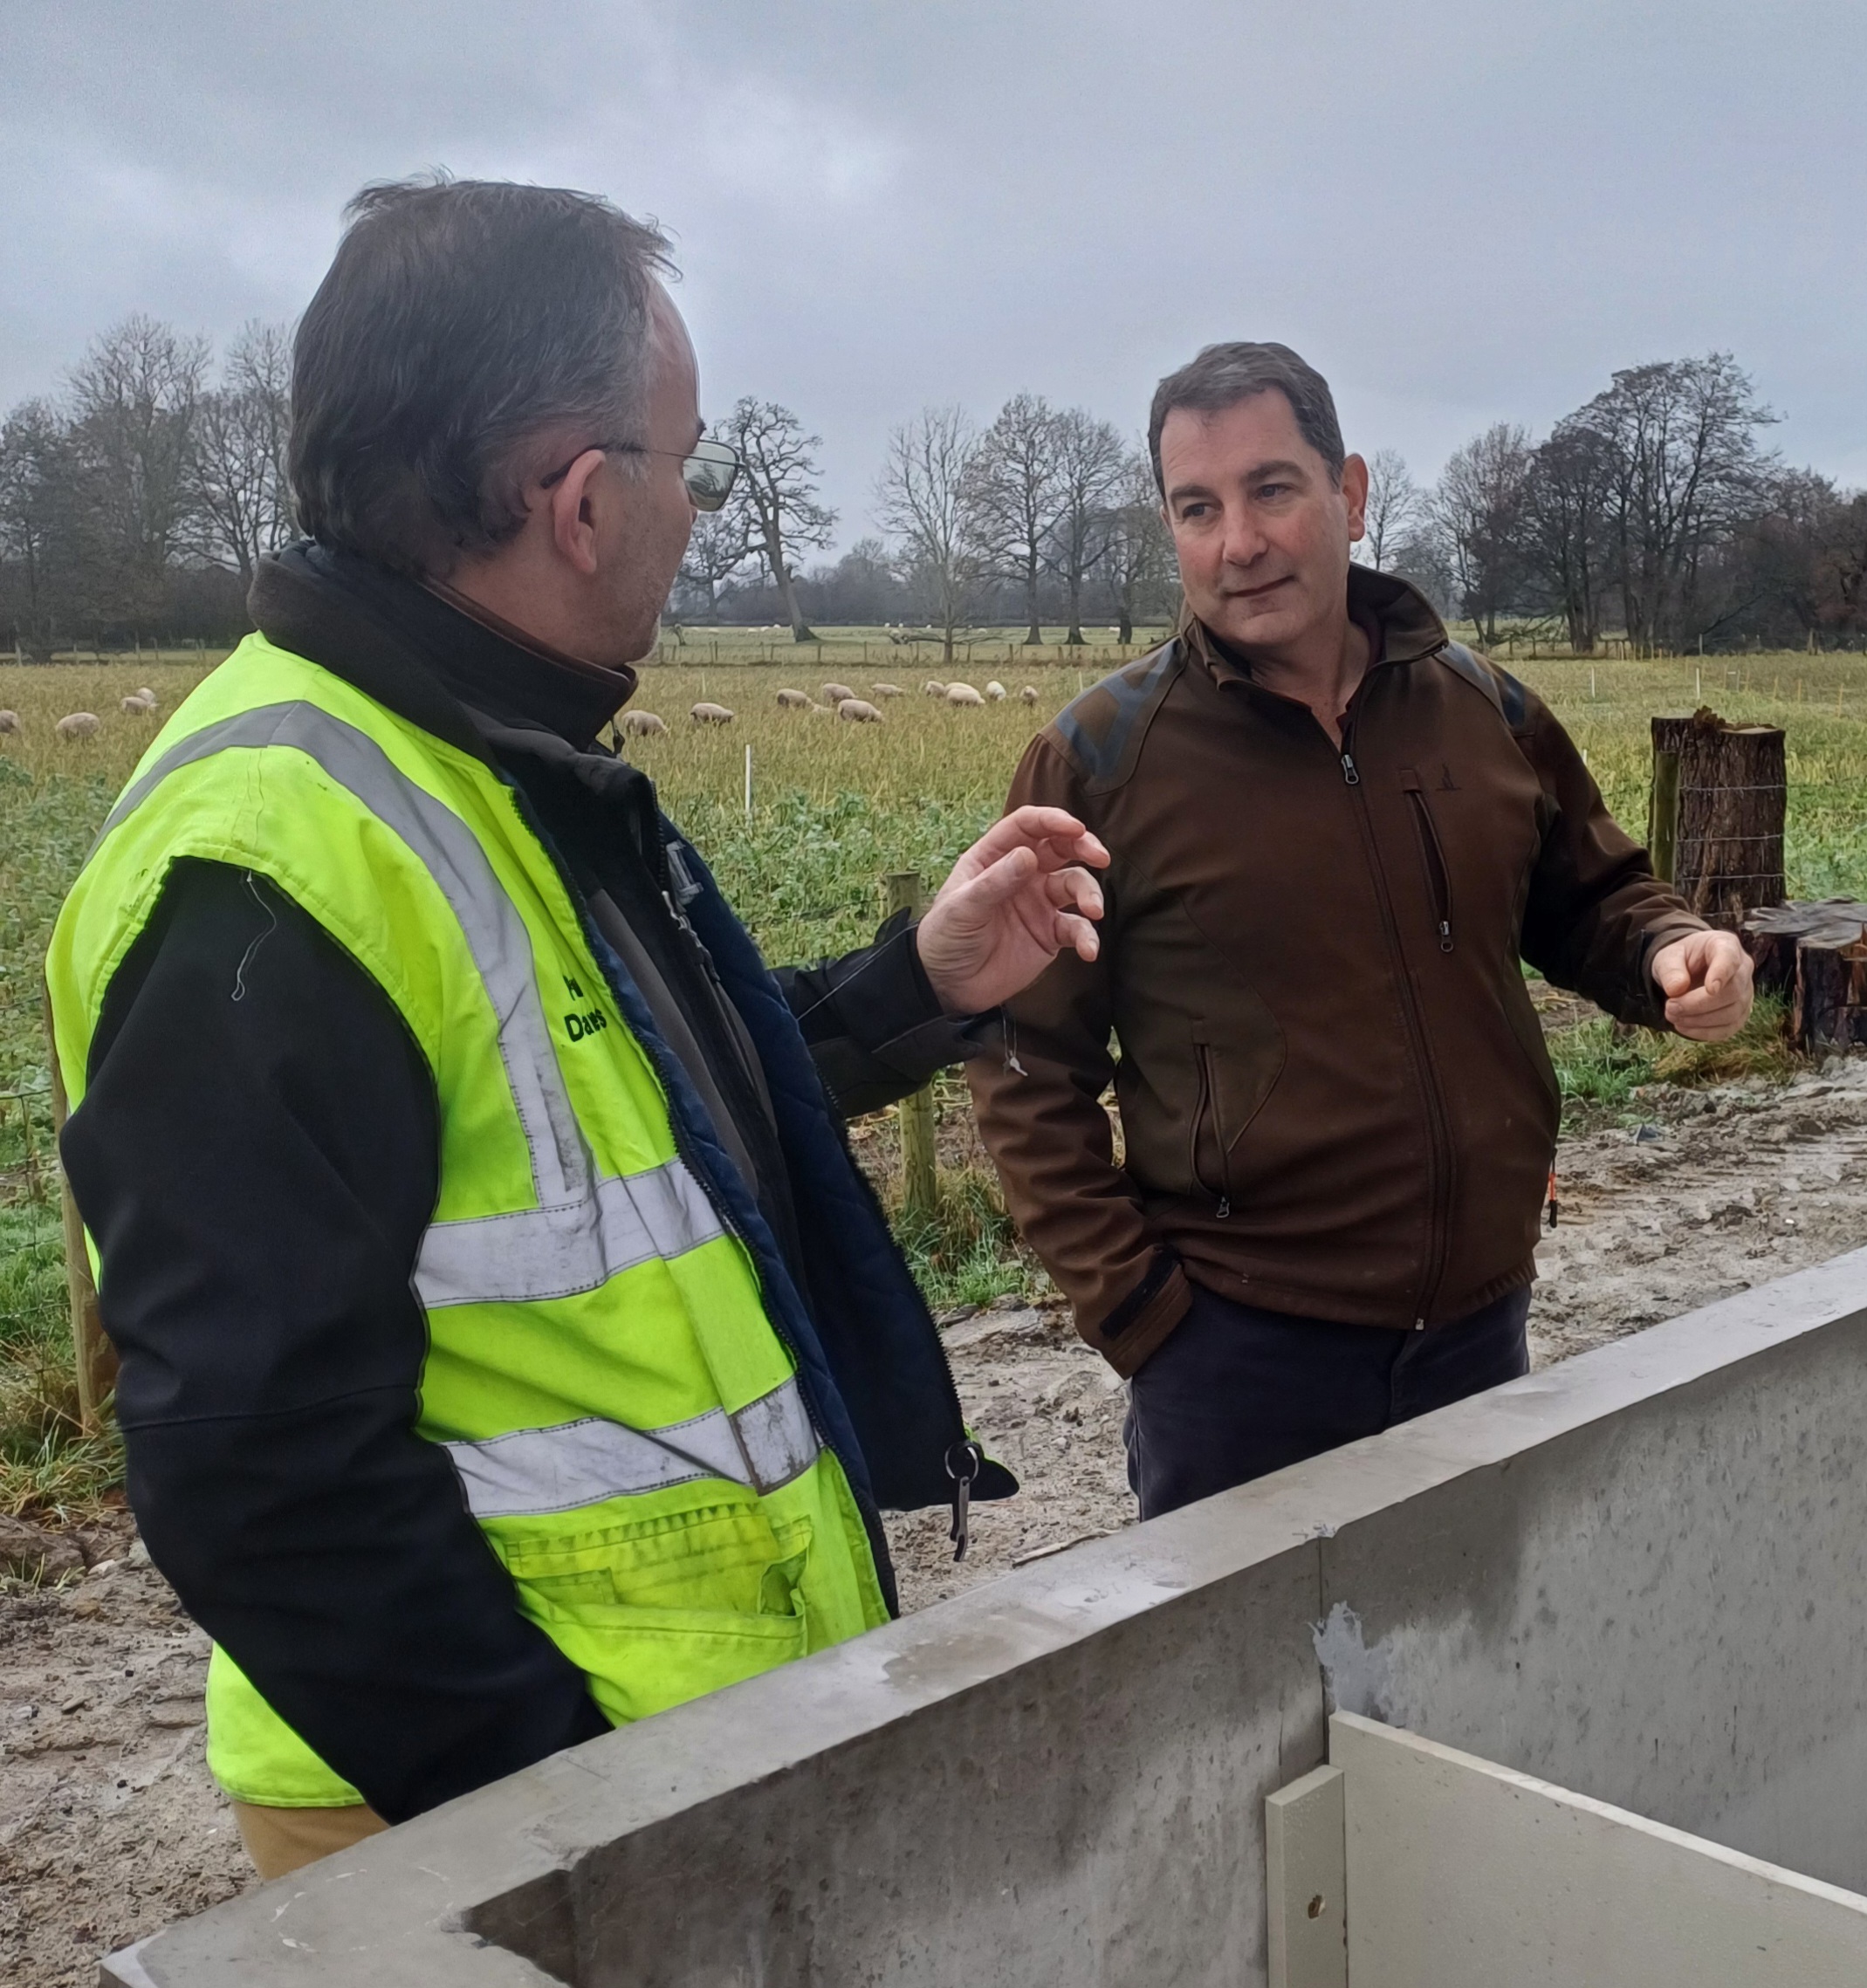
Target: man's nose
[(1243, 543)]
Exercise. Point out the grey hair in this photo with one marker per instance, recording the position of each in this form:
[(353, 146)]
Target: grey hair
[(1225, 374), (465, 327)]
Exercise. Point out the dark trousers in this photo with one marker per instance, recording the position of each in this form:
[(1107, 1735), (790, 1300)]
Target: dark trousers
[(1235, 1392)]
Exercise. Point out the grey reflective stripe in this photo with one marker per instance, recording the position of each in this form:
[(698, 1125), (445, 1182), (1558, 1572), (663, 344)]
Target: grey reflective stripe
[(495, 935), (575, 1464), (554, 1253)]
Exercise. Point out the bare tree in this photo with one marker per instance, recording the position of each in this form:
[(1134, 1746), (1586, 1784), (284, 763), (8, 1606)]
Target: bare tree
[(1090, 459), (1476, 512), (244, 509), (1395, 502), (1686, 470), (136, 396), (776, 495), (1137, 564), (1562, 524), (717, 548), (48, 540), (921, 498), (1014, 497)]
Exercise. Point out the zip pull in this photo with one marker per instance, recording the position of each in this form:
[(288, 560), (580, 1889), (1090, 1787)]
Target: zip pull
[(970, 1457), (1555, 1206), (1351, 777), (1225, 1207), (1446, 935)]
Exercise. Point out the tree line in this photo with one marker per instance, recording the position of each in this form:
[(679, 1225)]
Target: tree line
[(135, 503), (1654, 510)]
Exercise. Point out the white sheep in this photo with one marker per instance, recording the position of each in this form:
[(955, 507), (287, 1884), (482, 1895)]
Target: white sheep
[(858, 711), (837, 693), (963, 694), (1028, 694), (79, 724), (9, 721), (995, 690), (642, 725), (888, 689), (711, 715), (933, 687), (138, 708), (793, 700), (149, 698)]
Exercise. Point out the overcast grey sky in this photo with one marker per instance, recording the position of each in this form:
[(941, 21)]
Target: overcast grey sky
[(1461, 212)]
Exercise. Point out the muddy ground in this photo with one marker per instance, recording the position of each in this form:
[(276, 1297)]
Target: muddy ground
[(110, 1827)]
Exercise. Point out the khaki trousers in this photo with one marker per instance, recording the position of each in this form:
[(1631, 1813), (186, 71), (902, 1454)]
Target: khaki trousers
[(283, 1839)]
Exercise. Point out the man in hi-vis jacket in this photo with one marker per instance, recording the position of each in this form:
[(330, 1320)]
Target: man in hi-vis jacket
[(509, 1346)]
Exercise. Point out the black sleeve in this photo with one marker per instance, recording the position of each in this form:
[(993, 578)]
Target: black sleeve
[(872, 1021), (256, 1155)]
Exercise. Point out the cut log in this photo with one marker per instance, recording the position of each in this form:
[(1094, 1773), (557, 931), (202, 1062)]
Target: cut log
[(1815, 957), (1731, 799)]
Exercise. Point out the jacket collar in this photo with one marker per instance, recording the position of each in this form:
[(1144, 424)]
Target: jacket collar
[(1400, 622), (425, 652)]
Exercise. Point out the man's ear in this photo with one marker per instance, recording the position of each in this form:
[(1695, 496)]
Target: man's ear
[(1354, 495), (572, 514)]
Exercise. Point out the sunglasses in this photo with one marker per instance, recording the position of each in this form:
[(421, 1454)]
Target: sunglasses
[(708, 470)]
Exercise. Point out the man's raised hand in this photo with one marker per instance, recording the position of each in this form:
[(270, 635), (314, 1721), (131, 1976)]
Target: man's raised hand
[(1016, 899)]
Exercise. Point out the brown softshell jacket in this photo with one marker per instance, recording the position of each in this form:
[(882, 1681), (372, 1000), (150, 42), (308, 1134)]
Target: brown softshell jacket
[(1335, 1097)]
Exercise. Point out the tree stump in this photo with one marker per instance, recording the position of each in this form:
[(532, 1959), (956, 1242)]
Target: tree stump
[(1815, 956), (1731, 796)]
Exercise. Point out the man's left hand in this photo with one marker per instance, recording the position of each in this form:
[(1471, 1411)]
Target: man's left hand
[(1705, 978), (1017, 897)]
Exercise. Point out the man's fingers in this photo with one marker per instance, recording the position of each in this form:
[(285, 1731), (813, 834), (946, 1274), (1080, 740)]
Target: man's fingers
[(1079, 934), (1076, 889), (1004, 877)]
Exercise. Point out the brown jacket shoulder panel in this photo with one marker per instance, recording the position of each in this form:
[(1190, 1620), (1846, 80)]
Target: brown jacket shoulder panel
[(1510, 699), (1101, 733)]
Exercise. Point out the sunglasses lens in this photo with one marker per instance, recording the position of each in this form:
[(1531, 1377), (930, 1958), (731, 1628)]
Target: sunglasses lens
[(709, 473)]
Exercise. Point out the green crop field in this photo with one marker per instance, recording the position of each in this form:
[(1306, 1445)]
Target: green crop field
[(834, 806)]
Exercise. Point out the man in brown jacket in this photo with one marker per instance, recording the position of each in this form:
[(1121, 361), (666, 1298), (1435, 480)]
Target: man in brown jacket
[(1334, 833)]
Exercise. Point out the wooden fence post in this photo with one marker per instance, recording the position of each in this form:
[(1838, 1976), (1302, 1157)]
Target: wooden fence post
[(93, 1357), (1663, 808), (920, 1174), (1729, 800)]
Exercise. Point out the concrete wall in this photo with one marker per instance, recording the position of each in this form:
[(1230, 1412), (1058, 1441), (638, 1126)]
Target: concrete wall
[(1639, 1575)]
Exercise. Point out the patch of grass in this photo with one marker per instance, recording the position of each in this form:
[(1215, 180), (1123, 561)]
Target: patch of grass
[(1601, 1066), (967, 1252)]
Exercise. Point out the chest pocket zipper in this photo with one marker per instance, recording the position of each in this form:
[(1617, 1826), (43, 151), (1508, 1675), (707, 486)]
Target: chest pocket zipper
[(1432, 858), (1206, 1109)]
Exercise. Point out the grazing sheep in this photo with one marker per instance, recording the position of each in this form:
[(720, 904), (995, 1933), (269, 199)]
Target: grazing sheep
[(963, 694), (822, 711), (711, 715), (858, 711), (837, 693), (137, 709), (793, 700), (79, 724), (1028, 695), (931, 687), (888, 689), (642, 725), (9, 721), (995, 690), (149, 698)]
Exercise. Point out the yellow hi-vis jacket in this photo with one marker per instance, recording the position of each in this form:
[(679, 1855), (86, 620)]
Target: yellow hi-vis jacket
[(626, 1421)]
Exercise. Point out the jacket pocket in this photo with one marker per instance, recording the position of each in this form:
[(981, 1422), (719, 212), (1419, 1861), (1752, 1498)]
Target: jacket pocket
[(1432, 858), (1209, 1156)]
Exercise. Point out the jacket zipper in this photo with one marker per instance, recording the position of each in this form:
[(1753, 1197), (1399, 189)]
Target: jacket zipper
[(1439, 878), (1207, 1106), (1438, 1140)]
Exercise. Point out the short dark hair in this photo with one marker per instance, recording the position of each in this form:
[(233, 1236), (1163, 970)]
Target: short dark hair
[(1225, 374), (461, 320)]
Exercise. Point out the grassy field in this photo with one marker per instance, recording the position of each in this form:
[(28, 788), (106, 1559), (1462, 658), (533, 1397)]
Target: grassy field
[(835, 807)]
